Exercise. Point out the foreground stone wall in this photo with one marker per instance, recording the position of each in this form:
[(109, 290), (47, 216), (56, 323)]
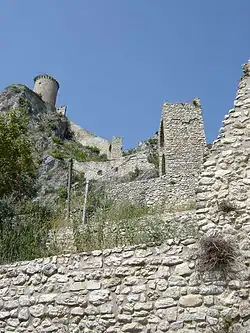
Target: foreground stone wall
[(130, 289)]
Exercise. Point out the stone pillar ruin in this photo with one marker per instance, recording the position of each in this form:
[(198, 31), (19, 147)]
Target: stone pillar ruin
[(181, 142), (115, 148)]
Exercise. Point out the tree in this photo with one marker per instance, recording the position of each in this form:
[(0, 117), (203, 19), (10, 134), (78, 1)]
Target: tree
[(18, 170)]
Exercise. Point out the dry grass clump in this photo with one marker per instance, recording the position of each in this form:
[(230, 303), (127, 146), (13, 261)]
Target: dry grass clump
[(217, 254)]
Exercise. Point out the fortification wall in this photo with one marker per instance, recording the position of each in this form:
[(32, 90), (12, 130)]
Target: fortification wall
[(223, 196), (155, 191), (130, 289), (87, 138), (114, 168)]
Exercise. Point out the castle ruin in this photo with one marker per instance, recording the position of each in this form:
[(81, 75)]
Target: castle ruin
[(153, 288)]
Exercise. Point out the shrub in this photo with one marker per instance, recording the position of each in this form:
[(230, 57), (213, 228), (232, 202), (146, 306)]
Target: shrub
[(153, 141), (93, 150), (226, 206), (217, 254), (22, 102), (18, 169), (59, 154), (62, 192), (154, 159), (57, 140), (24, 228)]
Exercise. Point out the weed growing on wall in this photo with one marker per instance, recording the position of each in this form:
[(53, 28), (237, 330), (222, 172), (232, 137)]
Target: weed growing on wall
[(217, 254)]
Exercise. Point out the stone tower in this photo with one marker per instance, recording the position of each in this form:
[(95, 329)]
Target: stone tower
[(115, 148), (46, 87), (181, 142)]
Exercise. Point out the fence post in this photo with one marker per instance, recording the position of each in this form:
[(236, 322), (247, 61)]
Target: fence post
[(70, 167), (85, 202)]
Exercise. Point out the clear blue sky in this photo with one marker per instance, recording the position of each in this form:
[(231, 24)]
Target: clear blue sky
[(117, 61)]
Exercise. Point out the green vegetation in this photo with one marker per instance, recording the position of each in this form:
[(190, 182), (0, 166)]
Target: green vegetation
[(154, 159), (17, 166), (72, 149), (57, 140), (24, 229), (152, 141), (23, 224), (115, 225), (129, 152), (109, 224)]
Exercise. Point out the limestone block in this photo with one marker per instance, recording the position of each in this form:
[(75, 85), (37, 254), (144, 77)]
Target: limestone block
[(191, 300)]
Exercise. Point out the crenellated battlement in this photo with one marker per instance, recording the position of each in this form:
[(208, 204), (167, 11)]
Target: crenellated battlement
[(46, 76)]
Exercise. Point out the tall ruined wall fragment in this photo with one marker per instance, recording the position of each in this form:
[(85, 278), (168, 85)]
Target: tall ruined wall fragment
[(115, 148), (223, 198), (181, 142)]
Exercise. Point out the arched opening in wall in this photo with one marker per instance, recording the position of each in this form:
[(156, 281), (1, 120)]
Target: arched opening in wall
[(162, 135), (110, 148), (163, 165)]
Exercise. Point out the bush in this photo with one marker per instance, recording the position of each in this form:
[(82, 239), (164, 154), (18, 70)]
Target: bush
[(24, 228), (93, 150), (18, 169), (57, 140), (217, 254), (154, 159), (59, 154)]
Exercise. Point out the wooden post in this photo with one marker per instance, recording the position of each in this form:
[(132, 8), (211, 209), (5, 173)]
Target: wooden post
[(85, 202), (69, 187)]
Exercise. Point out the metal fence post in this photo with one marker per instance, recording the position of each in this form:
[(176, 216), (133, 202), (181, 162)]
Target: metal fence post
[(85, 202), (69, 187)]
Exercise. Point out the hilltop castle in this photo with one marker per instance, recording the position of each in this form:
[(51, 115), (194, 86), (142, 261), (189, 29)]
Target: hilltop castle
[(181, 143), (47, 88), (155, 288)]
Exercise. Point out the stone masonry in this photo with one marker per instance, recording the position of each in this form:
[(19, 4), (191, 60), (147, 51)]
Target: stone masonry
[(223, 196), (132, 289), (181, 141), (153, 288)]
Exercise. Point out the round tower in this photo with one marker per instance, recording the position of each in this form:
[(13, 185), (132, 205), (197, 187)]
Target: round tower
[(46, 87)]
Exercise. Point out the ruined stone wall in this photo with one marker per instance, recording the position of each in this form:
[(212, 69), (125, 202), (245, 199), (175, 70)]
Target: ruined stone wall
[(116, 148), (155, 191), (131, 289), (181, 142), (87, 138), (114, 168), (223, 196)]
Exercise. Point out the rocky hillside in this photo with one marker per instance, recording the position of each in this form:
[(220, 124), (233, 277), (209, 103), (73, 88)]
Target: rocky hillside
[(51, 138)]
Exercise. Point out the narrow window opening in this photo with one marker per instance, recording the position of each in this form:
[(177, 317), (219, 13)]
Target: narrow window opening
[(163, 165), (162, 135)]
